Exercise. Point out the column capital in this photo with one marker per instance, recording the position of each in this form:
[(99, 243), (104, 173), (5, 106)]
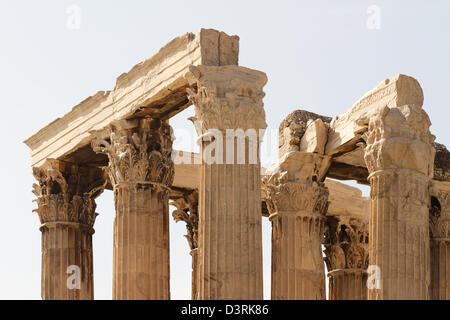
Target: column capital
[(346, 243), (66, 192), (295, 184), (440, 211), (139, 152), (227, 97), (187, 211), (399, 138)]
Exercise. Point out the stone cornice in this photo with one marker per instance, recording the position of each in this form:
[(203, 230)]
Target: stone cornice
[(154, 86)]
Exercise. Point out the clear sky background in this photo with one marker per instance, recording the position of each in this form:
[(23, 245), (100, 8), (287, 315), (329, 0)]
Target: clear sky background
[(318, 55)]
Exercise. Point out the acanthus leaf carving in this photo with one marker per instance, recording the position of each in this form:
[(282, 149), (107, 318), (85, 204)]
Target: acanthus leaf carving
[(67, 192), (138, 152), (227, 97)]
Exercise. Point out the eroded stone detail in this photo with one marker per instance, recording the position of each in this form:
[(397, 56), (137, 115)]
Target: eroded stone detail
[(399, 156), (138, 151), (187, 211), (228, 97), (66, 206), (297, 201), (347, 257)]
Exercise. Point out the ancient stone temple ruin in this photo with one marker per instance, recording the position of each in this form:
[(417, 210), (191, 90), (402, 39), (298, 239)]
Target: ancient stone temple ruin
[(393, 245)]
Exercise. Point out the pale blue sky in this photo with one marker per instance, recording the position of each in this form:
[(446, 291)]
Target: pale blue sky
[(317, 55)]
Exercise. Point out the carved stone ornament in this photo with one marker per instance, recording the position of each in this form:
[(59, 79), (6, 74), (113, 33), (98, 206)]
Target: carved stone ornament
[(346, 243), (227, 97), (400, 138), (138, 152), (66, 192)]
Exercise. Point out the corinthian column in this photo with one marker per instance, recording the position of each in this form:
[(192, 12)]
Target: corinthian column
[(229, 117), (187, 211), (297, 201), (399, 155), (66, 208), (141, 172), (347, 257), (440, 241)]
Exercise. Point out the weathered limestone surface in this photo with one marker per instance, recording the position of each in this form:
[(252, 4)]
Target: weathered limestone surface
[(155, 87), (141, 171), (441, 163), (66, 206), (346, 130), (440, 241), (297, 200), (399, 156), (295, 126), (230, 239), (346, 201)]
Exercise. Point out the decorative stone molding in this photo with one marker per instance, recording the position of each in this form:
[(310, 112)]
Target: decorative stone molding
[(138, 152), (227, 97)]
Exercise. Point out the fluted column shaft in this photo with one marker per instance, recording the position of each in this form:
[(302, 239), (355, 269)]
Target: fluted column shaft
[(66, 208), (399, 157), (141, 243), (347, 284), (141, 172), (67, 255), (230, 234), (229, 117), (297, 264)]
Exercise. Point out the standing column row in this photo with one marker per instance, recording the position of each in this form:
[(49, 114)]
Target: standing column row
[(66, 206), (141, 172), (229, 117)]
